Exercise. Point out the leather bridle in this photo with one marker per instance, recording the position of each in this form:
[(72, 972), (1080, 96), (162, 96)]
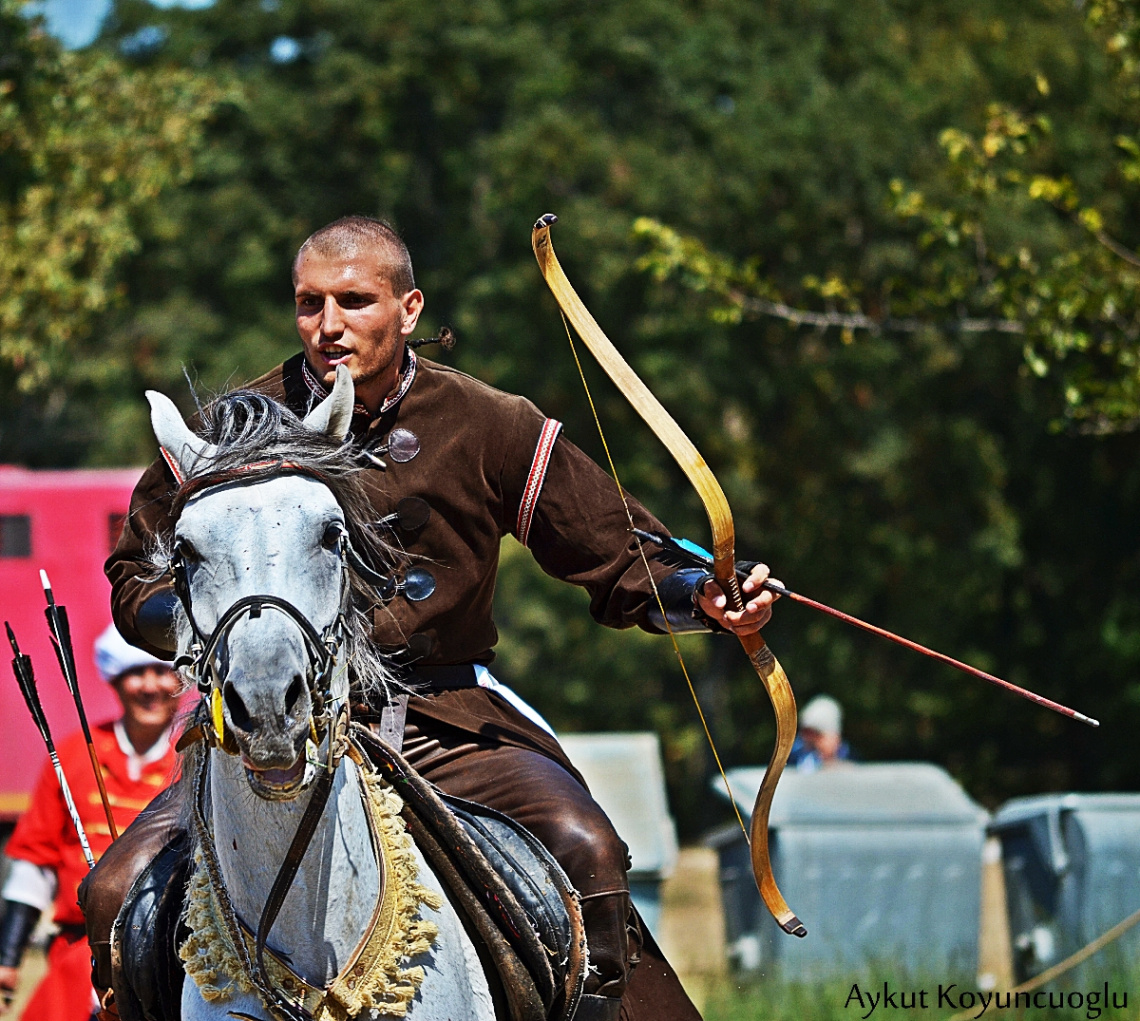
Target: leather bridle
[(329, 717), (200, 658)]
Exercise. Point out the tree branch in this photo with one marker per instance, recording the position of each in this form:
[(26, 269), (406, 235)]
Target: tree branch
[(859, 321), (1118, 249)]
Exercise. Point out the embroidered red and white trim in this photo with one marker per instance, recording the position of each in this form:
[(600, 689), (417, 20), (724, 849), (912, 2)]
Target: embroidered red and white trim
[(550, 430), (172, 464), (318, 389)]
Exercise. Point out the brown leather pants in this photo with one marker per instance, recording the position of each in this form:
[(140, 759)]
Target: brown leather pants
[(527, 785), (537, 792)]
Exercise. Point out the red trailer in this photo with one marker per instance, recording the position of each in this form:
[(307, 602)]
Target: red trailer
[(65, 522)]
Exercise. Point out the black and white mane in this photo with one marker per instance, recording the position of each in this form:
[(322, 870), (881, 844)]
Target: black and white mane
[(255, 438)]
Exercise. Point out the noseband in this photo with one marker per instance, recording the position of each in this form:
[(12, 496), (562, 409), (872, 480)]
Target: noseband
[(201, 659)]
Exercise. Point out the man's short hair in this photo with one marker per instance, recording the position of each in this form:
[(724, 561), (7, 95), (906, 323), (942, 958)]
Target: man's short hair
[(351, 233)]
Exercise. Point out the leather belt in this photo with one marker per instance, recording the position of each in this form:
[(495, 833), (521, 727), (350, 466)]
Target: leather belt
[(441, 678), (423, 679)]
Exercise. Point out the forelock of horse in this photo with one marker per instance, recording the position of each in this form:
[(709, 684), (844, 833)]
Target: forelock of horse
[(258, 438)]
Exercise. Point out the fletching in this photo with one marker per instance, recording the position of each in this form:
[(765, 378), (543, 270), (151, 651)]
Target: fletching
[(676, 552)]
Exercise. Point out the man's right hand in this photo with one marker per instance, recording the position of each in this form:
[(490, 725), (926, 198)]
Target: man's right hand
[(9, 979), (757, 610)]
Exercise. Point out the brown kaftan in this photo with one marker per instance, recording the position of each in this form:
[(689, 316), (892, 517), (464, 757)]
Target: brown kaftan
[(476, 446)]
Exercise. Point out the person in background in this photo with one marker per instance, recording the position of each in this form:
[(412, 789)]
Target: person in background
[(136, 752), (819, 743)]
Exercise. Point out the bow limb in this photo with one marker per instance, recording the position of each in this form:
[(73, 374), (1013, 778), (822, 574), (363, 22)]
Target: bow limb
[(724, 558)]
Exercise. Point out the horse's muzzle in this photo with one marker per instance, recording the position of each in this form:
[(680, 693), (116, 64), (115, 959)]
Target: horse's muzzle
[(270, 729)]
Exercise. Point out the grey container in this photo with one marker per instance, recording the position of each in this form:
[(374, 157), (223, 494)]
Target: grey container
[(881, 862), (1072, 871)]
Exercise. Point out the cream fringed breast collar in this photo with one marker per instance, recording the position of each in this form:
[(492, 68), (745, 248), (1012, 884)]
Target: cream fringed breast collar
[(378, 974)]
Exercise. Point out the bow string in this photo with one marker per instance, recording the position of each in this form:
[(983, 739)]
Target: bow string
[(768, 668)]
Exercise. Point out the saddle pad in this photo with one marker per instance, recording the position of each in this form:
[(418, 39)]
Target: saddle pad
[(528, 868)]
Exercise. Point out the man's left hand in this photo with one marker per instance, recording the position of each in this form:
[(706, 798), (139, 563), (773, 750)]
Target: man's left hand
[(757, 608)]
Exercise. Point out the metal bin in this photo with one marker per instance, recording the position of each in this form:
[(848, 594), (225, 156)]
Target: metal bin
[(1072, 871), (882, 863)]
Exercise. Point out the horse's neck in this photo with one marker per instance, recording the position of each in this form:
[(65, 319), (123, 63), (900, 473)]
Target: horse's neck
[(333, 896)]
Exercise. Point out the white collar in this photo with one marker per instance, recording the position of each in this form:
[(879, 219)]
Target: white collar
[(135, 761)]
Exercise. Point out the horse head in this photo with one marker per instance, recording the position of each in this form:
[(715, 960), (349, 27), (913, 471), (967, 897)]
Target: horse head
[(259, 558)]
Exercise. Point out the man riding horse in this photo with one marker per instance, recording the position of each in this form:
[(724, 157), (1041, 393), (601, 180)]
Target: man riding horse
[(452, 466)]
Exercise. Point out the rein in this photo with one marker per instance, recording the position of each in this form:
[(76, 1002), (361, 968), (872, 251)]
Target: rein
[(255, 970)]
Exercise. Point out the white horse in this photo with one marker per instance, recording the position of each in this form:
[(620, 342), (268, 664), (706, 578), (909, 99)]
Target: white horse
[(365, 929)]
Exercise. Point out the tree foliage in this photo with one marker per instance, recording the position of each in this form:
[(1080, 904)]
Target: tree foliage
[(87, 148), (720, 168), (1027, 230)]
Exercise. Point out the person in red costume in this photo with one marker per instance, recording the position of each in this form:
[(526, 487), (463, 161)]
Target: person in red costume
[(136, 752)]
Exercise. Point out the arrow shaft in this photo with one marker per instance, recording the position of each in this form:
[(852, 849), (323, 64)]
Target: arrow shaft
[(1032, 696), (71, 809), (60, 630), (26, 681)]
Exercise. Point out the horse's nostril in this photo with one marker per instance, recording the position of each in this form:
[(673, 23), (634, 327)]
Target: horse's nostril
[(239, 715), (293, 695)]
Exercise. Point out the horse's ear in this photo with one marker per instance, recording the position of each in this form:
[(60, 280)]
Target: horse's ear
[(333, 416), (179, 444)]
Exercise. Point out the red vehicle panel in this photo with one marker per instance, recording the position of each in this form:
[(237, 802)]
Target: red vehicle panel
[(66, 523)]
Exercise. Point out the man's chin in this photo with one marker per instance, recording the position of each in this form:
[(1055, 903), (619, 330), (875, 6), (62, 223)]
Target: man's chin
[(325, 370)]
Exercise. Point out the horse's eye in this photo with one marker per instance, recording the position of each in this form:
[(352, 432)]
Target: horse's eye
[(185, 549), (333, 531)]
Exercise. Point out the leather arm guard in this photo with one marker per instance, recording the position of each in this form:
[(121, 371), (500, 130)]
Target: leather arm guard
[(155, 620), (678, 592), (16, 927)]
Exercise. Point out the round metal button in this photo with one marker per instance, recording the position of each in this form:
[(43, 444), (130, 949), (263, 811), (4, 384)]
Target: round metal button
[(412, 513), (418, 584), (403, 445)]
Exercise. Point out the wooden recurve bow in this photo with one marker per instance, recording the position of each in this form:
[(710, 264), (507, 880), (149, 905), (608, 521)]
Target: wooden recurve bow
[(724, 558)]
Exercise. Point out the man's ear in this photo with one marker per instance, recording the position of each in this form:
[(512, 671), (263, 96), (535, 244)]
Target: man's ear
[(412, 304)]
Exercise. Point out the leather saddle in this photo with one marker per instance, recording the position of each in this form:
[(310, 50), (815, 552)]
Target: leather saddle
[(514, 897)]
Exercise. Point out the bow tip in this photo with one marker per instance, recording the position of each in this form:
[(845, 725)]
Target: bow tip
[(545, 220), (794, 927)]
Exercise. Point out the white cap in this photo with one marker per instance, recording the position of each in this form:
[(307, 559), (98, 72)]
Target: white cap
[(824, 714), (114, 656)]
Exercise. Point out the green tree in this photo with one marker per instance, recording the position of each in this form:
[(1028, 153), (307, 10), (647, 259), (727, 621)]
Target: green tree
[(1072, 287), (908, 476), (1026, 230), (88, 147)]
